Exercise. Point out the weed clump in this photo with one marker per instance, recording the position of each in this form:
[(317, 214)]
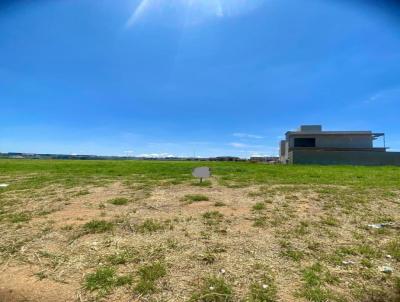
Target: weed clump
[(191, 198), (393, 248), (104, 280), (20, 217), (119, 201), (260, 221), (259, 206), (121, 258), (264, 291), (151, 226), (212, 217), (82, 193), (208, 257), (290, 252), (149, 274), (315, 278), (98, 226), (214, 289), (330, 221)]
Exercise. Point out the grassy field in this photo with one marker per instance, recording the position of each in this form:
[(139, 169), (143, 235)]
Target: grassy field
[(147, 231)]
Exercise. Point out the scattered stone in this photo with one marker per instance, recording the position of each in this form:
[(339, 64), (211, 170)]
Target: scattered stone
[(381, 225), (389, 256), (348, 262), (4, 185), (222, 271), (386, 269), (264, 286), (211, 288)]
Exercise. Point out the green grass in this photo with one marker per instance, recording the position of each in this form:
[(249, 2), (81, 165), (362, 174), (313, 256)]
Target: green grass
[(190, 198), (121, 258), (314, 289), (260, 221), (19, 217), (149, 274), (44, 172), (330, 221), (259, 206), (263, 291), (212, 217), (369, 251), (119, 201), (208, 257), (393, 249), (289, 252), (98, 226), (204, 183), (104, 280), (82, 193), (214, 289), (150, 226)]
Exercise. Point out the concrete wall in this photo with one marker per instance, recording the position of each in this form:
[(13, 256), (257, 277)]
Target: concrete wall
[(341, 141), (337, 141), (311, 128), (365, 158), (282, 151)]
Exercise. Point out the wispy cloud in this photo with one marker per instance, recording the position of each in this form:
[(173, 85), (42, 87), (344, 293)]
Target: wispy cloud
[(197, 9), (156, 155), (247, 135), (384, 96), (238, 145), (259, 155)]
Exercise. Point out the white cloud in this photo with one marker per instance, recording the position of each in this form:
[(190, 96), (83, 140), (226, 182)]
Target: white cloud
[(259, 155), (247, 135), (196, 9), (238, 145), (157, 155), (384, 96)]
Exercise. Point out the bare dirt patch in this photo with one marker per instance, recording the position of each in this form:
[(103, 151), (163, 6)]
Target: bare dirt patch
[(19, 284)]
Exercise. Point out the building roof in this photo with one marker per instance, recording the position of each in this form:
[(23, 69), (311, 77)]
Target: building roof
[(369, 133)]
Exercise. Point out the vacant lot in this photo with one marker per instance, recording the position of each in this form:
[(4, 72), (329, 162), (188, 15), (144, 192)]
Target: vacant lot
[(146, 231)]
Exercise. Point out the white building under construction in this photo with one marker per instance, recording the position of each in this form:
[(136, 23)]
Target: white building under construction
[(311, 145)]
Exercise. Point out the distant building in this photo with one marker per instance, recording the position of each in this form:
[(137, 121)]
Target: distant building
[(264, 159), (225, 158), (311, 145)]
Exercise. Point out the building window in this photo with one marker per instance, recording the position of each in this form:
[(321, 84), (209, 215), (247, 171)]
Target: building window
[(304, 142)]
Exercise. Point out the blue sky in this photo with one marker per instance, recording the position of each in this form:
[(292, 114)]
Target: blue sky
[(193, 77)]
